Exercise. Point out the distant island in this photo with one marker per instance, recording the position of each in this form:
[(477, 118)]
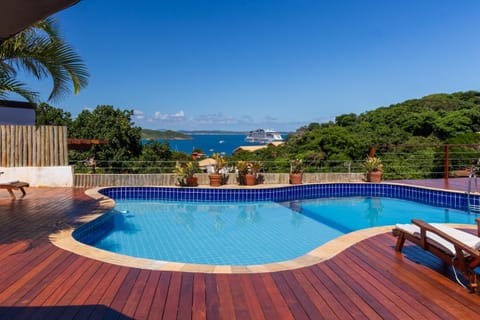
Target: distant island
[(150, 134)]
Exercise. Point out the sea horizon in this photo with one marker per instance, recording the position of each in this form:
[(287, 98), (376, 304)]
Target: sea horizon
[(209, 143)]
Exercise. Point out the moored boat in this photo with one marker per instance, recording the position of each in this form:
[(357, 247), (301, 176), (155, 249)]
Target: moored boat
[(263, 136)]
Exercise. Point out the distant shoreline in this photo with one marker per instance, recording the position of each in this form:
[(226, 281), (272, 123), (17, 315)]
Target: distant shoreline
[(169, 138), (188, 135)]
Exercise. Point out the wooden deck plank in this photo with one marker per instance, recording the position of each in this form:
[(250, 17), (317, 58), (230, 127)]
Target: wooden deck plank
[(19, 287), (51, 283), (160, 298), (126, 287), (97, 290), (186, 297), (302, 297), (146, 301), (211, 297), (22, 263), (238, 298), (36, 287), (10, 249), (61, 293), (266, 303), (251, 297), (381, 297), (359, 309), (292, 302), (410, 303), (77, 303), (225, 299), (278, 301), (173, 296), (135, 295), (199, 303), (331, 298), (313, 295), (73, 284), (100, 313)]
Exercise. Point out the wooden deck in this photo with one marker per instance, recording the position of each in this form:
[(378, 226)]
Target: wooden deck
[(367, 281), (457, 184)]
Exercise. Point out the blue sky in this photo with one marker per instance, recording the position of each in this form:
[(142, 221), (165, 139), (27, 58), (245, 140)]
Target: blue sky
[(282, 64)]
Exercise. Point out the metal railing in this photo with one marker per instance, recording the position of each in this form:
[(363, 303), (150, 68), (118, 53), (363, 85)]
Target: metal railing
[(396, 165)]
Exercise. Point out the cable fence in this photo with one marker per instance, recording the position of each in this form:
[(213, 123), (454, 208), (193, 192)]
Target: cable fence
[(397, 164)]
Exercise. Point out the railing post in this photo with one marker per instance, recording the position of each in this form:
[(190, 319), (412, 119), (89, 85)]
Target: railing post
[(445, 168), (371, 154)]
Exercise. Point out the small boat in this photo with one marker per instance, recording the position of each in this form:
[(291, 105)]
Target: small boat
[(221, 141), (263, 136)]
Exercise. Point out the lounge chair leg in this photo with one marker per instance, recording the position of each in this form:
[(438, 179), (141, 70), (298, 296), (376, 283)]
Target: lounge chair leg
[(11, 193), (400, 242), (476, 280), (23, 191)]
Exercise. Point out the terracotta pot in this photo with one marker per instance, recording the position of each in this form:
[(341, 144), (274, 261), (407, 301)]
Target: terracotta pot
[(296, 178), (215, 179), (192, 181), (374, 176), (250, 180)]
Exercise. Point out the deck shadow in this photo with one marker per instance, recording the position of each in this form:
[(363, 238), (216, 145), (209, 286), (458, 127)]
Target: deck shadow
[(62, 312), (416, 254)]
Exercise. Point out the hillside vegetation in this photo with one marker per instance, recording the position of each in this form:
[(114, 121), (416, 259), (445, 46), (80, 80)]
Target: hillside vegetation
[(434, 119)]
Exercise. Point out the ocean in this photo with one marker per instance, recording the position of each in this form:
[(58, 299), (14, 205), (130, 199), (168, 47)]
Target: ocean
[(210, 143)]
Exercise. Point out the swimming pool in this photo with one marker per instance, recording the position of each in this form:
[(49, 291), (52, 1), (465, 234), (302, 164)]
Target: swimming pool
[(252, 233)]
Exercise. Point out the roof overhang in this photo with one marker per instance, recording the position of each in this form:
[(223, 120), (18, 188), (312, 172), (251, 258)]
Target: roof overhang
[(19, 14), (84, 144)]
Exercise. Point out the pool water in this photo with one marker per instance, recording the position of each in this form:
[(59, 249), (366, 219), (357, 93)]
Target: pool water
[(251, 233)]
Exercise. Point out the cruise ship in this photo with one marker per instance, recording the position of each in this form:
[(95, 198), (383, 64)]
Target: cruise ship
[(263, 136)]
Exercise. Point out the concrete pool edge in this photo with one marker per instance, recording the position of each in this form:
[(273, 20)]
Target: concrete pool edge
[(66, 241)]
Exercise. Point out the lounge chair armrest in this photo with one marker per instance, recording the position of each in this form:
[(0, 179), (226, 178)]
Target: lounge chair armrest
[(459, 246)]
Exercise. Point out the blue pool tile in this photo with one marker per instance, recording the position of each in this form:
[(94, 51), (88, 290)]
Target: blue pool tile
[(299, 192)]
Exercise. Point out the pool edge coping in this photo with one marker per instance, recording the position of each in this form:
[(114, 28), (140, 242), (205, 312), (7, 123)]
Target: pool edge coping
[(64, 239)]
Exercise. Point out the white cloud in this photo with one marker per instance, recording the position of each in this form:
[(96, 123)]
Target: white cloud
[(139, 115), (178, 116), (214, 121)]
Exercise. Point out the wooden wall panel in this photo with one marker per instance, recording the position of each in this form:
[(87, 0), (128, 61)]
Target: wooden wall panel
[(29, 146)]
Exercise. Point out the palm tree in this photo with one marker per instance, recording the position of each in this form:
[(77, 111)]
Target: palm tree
[(40, 51)]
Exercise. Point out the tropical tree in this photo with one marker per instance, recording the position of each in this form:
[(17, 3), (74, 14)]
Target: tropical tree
[(40, 51), (114, 125), (48, 115)]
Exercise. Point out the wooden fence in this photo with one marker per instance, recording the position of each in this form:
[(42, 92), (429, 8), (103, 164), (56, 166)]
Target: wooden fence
[(33, 146)]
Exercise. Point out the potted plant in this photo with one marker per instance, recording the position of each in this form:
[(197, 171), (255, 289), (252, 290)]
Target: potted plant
[(254, 170), (216, 178), (242, 170), (248, 172), (296, 171), (186, 173), (374, 168)]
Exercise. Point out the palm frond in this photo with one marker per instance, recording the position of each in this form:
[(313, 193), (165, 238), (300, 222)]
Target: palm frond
[(40, 51), (8, 85)]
